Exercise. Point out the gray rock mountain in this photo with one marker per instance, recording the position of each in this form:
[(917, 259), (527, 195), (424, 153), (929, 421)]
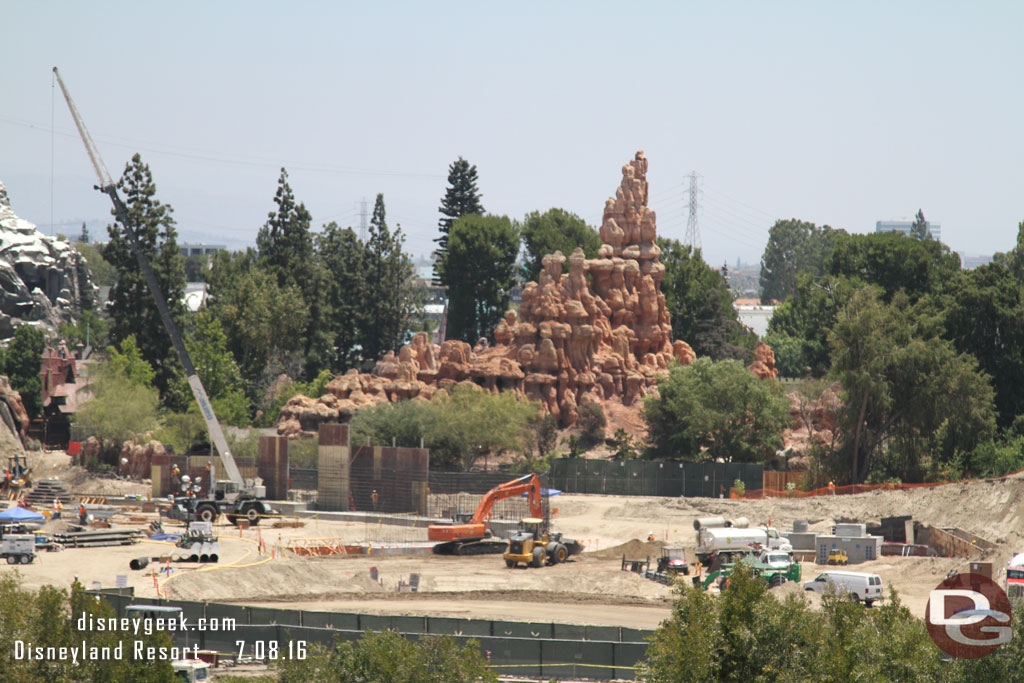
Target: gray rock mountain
[(43, 280)]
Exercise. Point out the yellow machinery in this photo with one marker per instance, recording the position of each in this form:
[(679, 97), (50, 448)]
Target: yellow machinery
[(534, 545)]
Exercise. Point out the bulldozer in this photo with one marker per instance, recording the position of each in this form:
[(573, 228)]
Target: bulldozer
[(534, 545)]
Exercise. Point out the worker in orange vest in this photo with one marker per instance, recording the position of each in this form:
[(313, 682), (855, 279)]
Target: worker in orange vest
[(55, 509), (82, 516), (373, 498), (832, 488)]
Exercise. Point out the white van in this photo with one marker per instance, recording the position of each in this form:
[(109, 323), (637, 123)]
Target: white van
[(865, 588)]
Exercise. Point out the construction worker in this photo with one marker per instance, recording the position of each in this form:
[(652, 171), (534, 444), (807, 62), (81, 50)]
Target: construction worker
[(55, 509), (831, 488), (82, 516), (60, 508), (7, 479), (650, 536), (374, 498)]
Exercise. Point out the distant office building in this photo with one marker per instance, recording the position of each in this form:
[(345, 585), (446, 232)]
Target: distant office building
[(905, 224), (971, 261), (199, 249)]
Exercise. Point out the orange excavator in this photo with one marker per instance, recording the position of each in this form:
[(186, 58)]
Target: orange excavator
[(473, 536)]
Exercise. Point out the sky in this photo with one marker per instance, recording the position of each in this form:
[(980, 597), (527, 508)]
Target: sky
[(835, 113)]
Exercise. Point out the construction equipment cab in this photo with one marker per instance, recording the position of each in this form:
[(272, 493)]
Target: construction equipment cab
[(471, 537), (534, 545)]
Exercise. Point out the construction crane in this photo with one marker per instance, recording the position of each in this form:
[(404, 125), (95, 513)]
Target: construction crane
[(471, 537), (234, 497)]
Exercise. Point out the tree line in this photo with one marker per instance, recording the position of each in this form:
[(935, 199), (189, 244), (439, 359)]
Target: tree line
[(928, 355)]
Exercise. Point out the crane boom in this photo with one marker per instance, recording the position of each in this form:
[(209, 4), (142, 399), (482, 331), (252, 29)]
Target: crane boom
[(108, 187)]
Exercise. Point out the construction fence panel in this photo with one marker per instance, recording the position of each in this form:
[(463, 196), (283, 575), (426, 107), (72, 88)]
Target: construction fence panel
[(576, 659), (651, 478), (192, 610), (404, 624), (569, 632), (627, 656), (216, 610), (606, 633), (513, 656), (118, 602), (376, 622), (335, 620), (322, 636), (270, 615), (443, 626), (634, 635), (522, 629)]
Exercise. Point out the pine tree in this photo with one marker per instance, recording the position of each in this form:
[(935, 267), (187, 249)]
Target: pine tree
[(920, 227), (285, 243), (343, 258), (460, 199), (133, 310), (84, 237), (392, 299)]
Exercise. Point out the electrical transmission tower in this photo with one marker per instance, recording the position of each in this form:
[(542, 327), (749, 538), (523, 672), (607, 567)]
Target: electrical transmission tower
[(362, 220), (692, 229)]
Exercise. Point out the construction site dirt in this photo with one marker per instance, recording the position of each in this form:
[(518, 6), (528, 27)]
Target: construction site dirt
[(256, 567)]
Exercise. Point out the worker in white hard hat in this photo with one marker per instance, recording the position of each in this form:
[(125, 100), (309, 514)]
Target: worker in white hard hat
[(650, 535)]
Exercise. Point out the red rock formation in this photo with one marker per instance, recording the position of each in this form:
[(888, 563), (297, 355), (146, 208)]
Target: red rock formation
[(600, 332), (136, 460), (764, 362)]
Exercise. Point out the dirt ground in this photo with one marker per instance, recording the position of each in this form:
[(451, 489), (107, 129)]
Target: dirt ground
[(589, 590)]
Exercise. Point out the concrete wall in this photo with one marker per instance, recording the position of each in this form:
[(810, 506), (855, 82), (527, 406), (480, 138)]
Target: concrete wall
[(858, 548), (333, 484), (272, 465)]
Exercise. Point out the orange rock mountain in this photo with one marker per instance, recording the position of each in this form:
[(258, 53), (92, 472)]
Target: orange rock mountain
[(600, 332)]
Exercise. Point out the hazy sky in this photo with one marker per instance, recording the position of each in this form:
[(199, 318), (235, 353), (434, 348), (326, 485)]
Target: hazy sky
[(838, 113)]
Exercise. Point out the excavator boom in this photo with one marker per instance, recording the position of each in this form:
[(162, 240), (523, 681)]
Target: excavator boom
[(452, 537)]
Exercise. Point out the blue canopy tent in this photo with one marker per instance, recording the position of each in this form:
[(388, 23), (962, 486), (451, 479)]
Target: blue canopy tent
[(20, 514)]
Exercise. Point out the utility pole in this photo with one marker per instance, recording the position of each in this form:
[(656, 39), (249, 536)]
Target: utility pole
[(692, 229), (362, 220)]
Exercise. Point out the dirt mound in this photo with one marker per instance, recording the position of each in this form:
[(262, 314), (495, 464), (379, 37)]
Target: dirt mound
[(633, 550)]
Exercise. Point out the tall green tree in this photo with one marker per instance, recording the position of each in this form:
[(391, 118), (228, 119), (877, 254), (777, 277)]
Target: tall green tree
[(286, 249), (132, 307), (793, 247), (461, 198), (716, 411), (910, 401), (216, 367), (393, 301), (285, 243), (701, 305), (551, 231), (920, 229), (799, 327), (1014, 259), (22, 364), (984, 316), (263, 322), (124, 403), (480, 274), (345, 260), (894, 261)]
